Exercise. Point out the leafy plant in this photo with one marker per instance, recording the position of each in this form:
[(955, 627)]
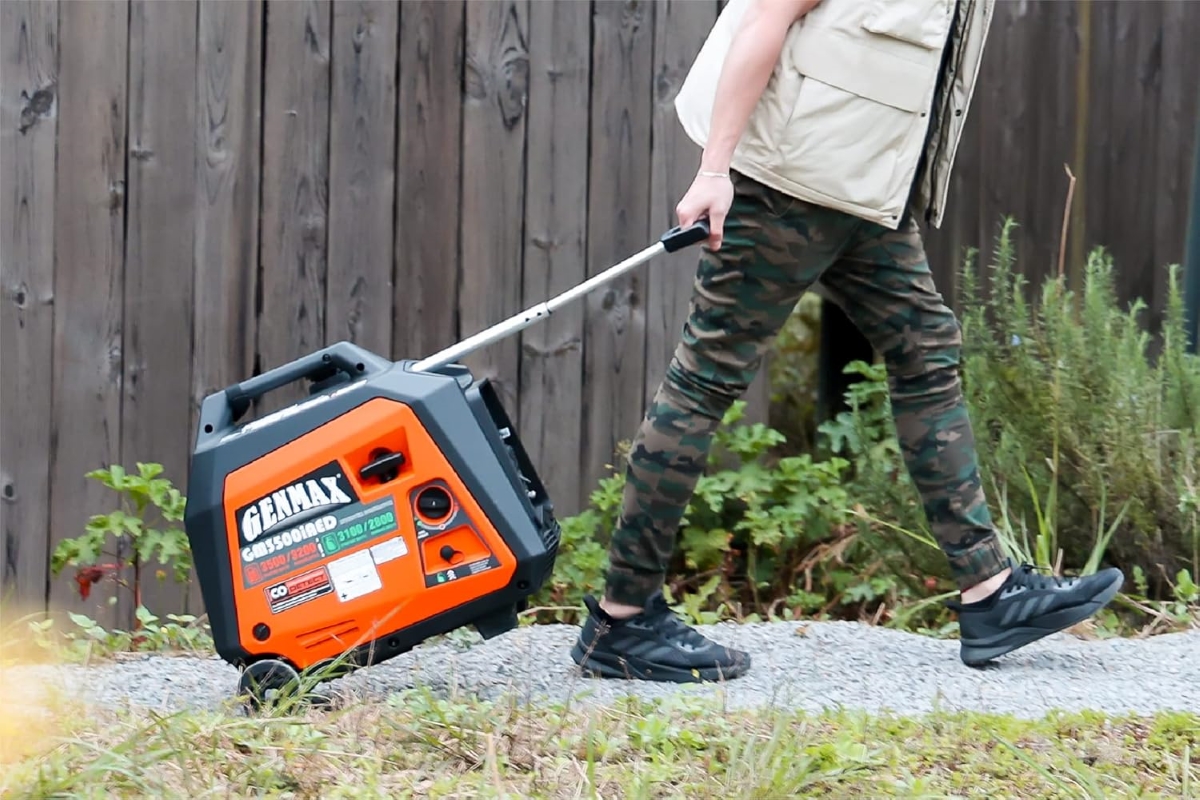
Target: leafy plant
[(757, 525), (866, 432), (753, 524), (139, 532), (87, 639)]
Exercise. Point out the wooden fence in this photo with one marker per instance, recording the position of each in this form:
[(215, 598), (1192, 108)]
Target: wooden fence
[(195, 191)]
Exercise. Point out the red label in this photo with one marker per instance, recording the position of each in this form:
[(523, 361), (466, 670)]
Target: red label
[(300, 589)]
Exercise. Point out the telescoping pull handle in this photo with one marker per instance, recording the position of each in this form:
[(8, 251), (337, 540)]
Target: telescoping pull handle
[(672, 241)]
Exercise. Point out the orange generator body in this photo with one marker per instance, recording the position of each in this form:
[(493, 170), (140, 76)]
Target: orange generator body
[(387, 507), (393, 504)]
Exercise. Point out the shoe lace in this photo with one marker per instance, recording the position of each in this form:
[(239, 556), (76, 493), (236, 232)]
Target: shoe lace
[(1039, 577), (663, 618)]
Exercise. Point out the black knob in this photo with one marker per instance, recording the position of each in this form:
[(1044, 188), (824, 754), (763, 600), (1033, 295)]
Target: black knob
[(261, 632), (448, 553), (434, 503)]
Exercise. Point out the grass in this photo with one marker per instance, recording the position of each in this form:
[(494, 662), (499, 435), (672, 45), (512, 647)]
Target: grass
[(420, 745), (417, 744)]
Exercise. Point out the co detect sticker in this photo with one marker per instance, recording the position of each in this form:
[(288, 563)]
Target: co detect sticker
[(297, 590)]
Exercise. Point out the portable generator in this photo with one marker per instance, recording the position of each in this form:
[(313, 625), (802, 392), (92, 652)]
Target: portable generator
[(392, 504)]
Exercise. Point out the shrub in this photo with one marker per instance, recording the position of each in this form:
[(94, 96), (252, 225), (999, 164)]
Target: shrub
[(1084, 419)]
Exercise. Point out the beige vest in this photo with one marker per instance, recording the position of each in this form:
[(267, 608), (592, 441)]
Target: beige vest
[(851, 106)]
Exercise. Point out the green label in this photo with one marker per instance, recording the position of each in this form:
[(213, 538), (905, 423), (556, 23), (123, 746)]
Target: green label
[(376, 520)]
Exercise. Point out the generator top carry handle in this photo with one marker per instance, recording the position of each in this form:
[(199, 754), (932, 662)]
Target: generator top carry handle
[(320, 365), (675, 239)]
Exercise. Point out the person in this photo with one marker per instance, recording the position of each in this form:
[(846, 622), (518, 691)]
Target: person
[(827, 127)]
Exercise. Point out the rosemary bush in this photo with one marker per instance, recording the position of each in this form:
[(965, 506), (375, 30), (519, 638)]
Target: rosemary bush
[(1087, 424)]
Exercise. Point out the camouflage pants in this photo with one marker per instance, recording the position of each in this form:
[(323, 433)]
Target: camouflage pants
[(774, 249)]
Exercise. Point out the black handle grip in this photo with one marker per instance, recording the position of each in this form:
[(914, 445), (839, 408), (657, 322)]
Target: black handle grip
[(386, 466), (321, 365), (680, 237), (220, 410)]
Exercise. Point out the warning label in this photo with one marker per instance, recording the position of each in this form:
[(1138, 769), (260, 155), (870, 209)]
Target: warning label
[(300, 589), (389, 550), (355, 575)]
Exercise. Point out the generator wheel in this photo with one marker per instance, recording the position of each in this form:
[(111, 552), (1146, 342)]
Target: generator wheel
[(263, 682)]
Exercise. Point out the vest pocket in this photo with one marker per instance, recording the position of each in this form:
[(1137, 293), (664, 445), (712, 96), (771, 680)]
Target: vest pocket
[(855, 123), (923, 23)]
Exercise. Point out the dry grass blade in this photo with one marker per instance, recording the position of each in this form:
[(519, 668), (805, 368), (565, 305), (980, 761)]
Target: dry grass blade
[(1062, 246)]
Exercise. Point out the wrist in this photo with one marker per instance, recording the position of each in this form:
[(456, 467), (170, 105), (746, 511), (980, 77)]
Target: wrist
[(715, 163)]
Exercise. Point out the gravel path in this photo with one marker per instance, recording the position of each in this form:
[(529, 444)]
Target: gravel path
[(811, 666)]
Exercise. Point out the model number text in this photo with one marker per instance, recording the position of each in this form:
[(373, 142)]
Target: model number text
[(289, 538)]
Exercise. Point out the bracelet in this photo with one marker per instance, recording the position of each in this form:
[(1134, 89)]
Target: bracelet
[(704, 174)]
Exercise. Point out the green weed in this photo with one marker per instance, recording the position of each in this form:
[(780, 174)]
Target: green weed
[(121, 545)]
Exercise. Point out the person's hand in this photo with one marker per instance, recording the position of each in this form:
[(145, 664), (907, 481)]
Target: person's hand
[(711, 197)]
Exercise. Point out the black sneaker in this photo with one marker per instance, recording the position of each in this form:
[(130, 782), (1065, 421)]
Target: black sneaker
[(654, 645), (1028, 607)]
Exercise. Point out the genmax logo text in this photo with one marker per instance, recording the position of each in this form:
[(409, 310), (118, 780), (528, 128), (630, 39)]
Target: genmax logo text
[(300, 500)]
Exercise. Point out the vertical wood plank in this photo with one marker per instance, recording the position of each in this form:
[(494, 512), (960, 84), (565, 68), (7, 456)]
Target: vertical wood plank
[(555, 245), (1001, 181), (295, 189), (155, 410), (227, 136), (1175, 129), (1135, 82), (1096, 188), (89, 245), (758, 394), (1037, 184), (977, 228), (1055, 30), (946, 247), (1081, 100), (618, 226), (496, 86), (28, 121), (428, 173), (680, 28), (362, 174), (228, 132)]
